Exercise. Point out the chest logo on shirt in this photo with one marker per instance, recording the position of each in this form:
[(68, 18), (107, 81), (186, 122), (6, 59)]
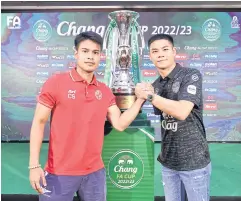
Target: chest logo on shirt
[(98, 94), (169, 122), (176, 87), (71, 94)]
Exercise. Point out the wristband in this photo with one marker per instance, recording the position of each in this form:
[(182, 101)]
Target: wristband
[(34, 166)]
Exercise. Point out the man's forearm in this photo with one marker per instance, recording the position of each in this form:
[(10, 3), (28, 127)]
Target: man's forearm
[(171, 107), (36, 138), (129, 115)]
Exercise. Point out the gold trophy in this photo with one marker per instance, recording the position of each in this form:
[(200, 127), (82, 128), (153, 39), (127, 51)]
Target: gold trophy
[(123, 56)]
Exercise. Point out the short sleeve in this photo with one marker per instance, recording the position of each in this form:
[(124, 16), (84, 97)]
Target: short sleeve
[(191, 87), (48, 93)]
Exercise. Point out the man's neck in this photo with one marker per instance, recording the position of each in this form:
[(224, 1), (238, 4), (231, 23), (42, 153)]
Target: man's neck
[(165, 72), (85, 75)]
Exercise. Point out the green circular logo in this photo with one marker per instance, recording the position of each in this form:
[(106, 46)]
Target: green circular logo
[(211, 29), (126, 169), (42, 30)]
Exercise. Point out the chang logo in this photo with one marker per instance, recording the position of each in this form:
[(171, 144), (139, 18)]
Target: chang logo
[(126, 169), (42, 31), (211, 30)]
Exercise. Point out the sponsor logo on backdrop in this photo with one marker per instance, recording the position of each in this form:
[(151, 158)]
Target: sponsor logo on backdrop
[(209, 115), (211, 73), (149, 73), (125, 169), (210, 106), (13, 22), (40, 81), (148, 106), (210, 56), (210, 81), (235, 23), (146, 57), (51, 48), (44, 73), (210, 98), (43, 65), (66, 28), (202, 48), (152, 115), (192, 48), (70, 57), (210, 65), (181, 57), (100, 74), (42, 31), (102, 65), (211, 29), (195, 65), (42, 56), (195, 57), (58, 65), (148, 65), (57, 57), (212, 90)]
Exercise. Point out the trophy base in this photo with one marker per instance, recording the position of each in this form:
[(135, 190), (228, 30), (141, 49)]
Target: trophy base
[(124, 101)]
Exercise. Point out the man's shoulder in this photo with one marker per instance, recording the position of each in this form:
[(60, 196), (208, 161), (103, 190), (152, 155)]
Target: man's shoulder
[(189, 71)]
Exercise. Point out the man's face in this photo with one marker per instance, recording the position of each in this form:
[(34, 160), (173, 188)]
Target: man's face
[(162, 54), (88, 55)]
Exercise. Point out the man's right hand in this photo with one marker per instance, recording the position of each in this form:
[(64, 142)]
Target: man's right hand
[(35, 176)]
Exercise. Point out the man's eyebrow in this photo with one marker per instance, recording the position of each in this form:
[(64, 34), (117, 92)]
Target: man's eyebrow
[(161, 47), (83, 48)]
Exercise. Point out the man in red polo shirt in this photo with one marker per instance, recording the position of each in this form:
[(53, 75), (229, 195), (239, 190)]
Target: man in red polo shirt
[(78, 105)]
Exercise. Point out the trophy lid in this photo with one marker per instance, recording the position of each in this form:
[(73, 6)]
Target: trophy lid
[(123, 15)]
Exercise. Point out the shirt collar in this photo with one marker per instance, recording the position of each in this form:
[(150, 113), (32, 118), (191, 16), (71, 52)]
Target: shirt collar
[(172, 74), (75, 76)]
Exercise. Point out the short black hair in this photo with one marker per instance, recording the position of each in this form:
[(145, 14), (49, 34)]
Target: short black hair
[(160, 37), (88, 35)]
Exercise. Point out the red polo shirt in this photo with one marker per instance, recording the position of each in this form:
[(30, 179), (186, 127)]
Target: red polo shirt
[(77, 123)]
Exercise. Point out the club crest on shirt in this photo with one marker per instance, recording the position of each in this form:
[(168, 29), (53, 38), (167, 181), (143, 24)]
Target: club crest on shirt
[(98, 94), (176, 87)]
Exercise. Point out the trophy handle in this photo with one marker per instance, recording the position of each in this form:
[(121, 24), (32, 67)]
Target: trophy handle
[(135, 53), (109, 29), (108, 41), (115, 35), (142, 40)]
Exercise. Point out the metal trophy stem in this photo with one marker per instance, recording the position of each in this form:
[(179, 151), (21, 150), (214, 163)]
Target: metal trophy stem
[(123, 56)]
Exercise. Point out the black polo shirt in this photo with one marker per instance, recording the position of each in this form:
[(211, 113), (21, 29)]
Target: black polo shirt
[(184, 145)]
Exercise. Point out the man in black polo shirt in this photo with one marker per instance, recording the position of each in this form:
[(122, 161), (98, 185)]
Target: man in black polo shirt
[(177, 97)]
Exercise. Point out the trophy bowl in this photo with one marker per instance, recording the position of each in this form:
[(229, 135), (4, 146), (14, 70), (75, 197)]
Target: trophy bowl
[(123, 56)]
